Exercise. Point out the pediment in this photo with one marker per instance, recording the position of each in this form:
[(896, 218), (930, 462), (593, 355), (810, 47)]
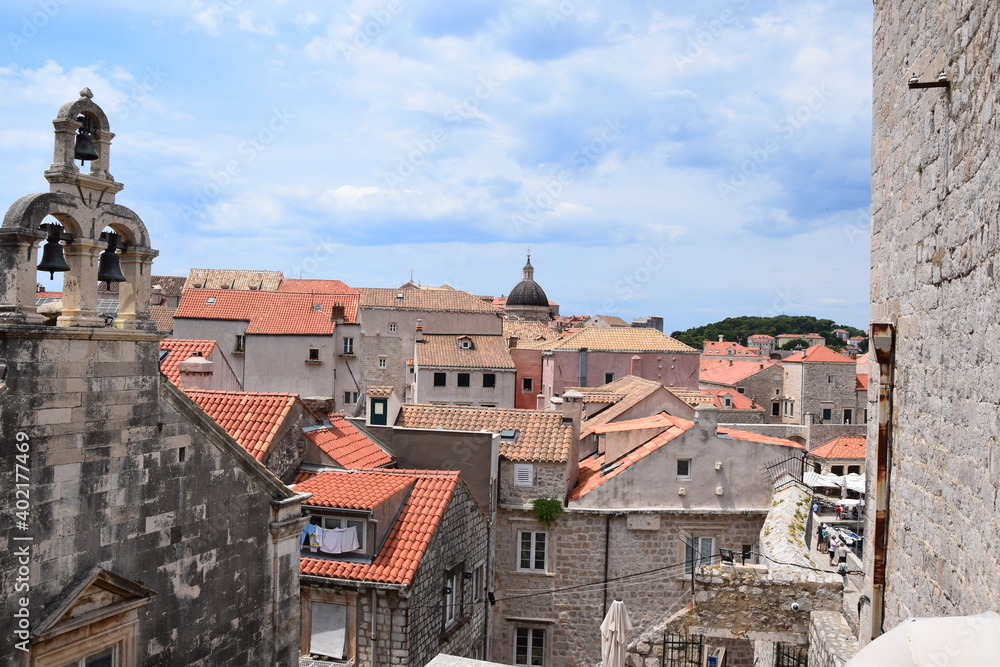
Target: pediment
[(98, 596)]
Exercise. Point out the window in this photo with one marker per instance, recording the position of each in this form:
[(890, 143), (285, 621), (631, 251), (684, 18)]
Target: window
[(827, 414), (741, 390), (105, 658), (837, 470), (609, 377), (348, 346), (479, 582), (489, 380), (848, 415), (529, 646), (463, 379), (313, 354), (729, 402), (853, 470), (465, 343), (528, 384), (340, 523), (775, 409), (777, 392), (697, 551), (241, 343), (440, 380), (829, 379), (328, 632), (382, 362), (350, 397), (531, 550), (524, 474), (683, 468), (379, 416), (392, 327), (452, 596)]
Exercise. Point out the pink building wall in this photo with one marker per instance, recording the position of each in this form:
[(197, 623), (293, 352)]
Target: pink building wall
[(529, 365), (561, 368)]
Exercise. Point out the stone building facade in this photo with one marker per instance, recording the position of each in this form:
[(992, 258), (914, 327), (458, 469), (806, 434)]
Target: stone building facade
[(935, 242), (147, 535)]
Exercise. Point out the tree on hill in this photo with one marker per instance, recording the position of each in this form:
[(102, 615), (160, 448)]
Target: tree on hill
[(794, 343), (739, 329)]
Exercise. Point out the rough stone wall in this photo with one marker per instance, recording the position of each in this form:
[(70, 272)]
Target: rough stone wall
[(637, 543), (123, 475), (818, 392), (831, 641), (549, 482), (935, 239), (395, 374), (284, 455)]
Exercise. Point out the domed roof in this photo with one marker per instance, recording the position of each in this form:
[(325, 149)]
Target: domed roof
[(528, 292)]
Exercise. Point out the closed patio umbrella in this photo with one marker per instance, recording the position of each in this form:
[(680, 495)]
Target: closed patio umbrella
[(614, 629), (948, 641)]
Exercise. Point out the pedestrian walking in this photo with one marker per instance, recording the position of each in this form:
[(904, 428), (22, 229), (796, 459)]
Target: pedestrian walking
[(815, 508), (842, 558), (831, 548), (821, 538), (838, 511)]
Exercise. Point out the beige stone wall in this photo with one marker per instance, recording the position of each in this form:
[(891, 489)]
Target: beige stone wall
[(935, 240)]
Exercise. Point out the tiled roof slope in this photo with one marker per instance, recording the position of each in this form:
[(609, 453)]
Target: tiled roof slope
[(528, 333), (635, 389), (620, 339), (722, 348), (444, 352), (348, 446), (693, 397), (542, 435), (163, 318), (364, 490), (844, 447), (861, 382), (818, 353), (280, 313), (591, 476), (252, 418), (172, 285), (398, 559), (734, 374), (179, 350), (662, 420), (315, 286), (419, 299), (379, 391), (739, 401), (757, 437), (267, 281)]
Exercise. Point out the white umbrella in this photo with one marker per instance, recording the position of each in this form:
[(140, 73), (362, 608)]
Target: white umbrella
[(614, 629), (948, 641)]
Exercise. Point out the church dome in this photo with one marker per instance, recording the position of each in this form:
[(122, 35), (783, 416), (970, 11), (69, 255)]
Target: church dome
[(528, 292)]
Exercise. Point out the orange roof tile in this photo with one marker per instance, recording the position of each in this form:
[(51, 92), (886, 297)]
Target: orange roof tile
[(379, 391), (303, 475), (861, 382), (267, 281), (347, 490), (844, 447), (398, 559), (723, 348), (348, 446), (634, 389), (178, 350), (620, 339), (591, 476), (315, 286), (818, 353), (757, 437), (662, 420), (761, 337), (734, 374), (252, 418), (281, 313), (739, 401), (528, 333), (420, 299), (542, 436), (693, 397), (163, 318), (489, 352)]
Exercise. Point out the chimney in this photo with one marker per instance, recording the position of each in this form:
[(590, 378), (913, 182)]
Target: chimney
[(720, 338), (540, 402), (337, 313), (707, 416), (730, 362), (157, 298), (512, 342), (572, 413), (635, 367), (419, 337), (196, 372)]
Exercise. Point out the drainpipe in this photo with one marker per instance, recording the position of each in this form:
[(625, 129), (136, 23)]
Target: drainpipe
[(607, 548), (883, 338), (583, 367), (371, 637)]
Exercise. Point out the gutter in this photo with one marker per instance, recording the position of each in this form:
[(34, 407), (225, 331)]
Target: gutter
[(883, 337)]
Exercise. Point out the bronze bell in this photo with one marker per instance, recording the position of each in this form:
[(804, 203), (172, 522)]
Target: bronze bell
[(84, 148), (109, 268), (52, 253)]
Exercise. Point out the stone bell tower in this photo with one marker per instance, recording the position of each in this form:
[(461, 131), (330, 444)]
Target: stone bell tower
[(84, 205)]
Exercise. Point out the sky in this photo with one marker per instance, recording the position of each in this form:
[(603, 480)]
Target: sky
[(691, 159)]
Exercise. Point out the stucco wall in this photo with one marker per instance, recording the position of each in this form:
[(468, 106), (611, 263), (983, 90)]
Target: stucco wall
[(561, 369)]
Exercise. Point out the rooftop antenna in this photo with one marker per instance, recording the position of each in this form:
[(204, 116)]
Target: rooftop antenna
[(411, 275)]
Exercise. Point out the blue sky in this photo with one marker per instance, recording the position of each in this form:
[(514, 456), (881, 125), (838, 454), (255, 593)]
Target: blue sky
[(694, 160)]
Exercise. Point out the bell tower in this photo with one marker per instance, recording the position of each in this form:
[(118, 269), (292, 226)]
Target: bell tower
[(84, 206)]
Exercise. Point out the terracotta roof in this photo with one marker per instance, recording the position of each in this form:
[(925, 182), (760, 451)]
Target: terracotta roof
[(528, 333), (364, 490), (818, 353), (597, 395), (445, 352), (172, 285), (377, 391), (739, 401), (693, 397), (542, 437), (844, 447), (760, 337), (722, 348), (757, 437), (591, 475), (611, 320), (731, 375), (233, 279), (398, 559), (348, 446), (861, 382), (252, 418), (180, 350), (302, 475), (420, 299), (620, 339), (315, 286), (281, 313), (662, 420), (163, 318), (633, 389)]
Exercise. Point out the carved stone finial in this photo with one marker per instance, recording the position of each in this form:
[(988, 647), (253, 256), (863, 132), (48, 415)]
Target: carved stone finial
[(87, 92)]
